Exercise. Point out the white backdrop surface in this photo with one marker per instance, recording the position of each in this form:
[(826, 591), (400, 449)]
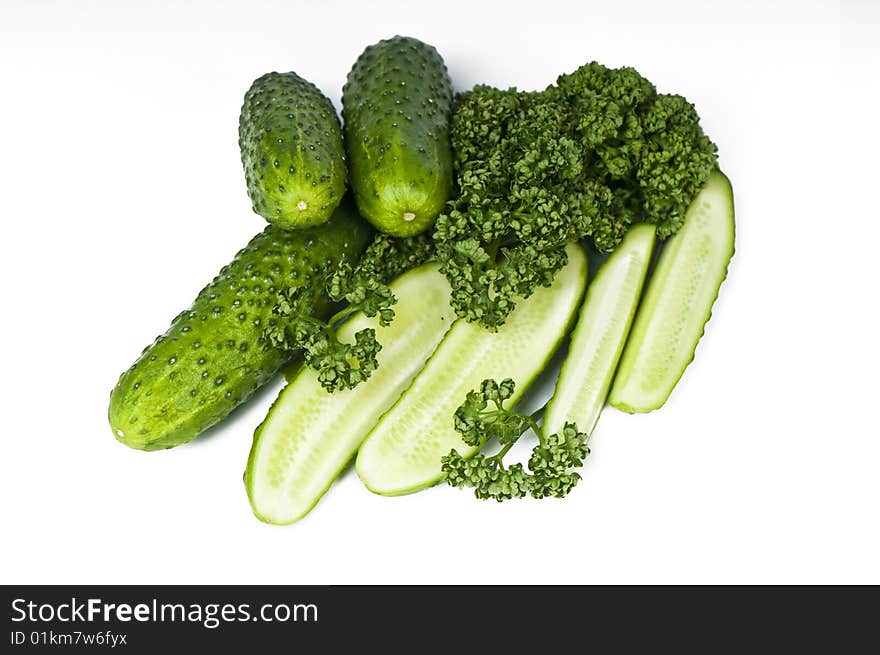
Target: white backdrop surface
[(121, 194)]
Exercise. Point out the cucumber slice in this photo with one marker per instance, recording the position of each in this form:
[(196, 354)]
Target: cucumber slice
[(601, 331), (402, 453), (309, 434), (678, 301)]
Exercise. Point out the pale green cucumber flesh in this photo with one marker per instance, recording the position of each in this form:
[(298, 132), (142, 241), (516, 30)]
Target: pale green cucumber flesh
[(678, 301), (310, 435), (402, 453), (598, 338)]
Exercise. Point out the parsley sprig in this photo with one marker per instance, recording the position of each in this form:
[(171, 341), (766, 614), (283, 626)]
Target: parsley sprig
[(483, 417)]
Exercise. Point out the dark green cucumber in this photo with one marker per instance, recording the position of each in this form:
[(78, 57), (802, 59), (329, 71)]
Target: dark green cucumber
[(291, 150), (396, 106), (213, 357)]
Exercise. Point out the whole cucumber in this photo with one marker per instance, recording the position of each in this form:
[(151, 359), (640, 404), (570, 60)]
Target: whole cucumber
[(213, 357), (291, 150), (397, 106)]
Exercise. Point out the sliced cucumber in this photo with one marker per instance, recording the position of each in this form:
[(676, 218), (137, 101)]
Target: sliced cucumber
[(402, 453), (601, 331), (309, 434), (678, 301)]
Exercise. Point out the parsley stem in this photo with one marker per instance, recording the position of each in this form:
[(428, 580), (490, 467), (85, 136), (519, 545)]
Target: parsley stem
[(499, 456), (342, 314)]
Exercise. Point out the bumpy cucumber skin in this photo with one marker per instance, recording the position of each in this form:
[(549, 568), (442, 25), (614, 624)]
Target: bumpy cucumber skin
[(413, 289), (213, 357), (291, 150), (577, 272), (397, 106), (620, 396)]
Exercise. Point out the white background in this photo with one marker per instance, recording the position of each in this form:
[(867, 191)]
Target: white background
[(121, 194)]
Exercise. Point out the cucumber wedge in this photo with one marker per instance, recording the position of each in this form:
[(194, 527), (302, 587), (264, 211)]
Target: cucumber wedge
[(678, 301), (309, 434), (402, 453), (600, 333)]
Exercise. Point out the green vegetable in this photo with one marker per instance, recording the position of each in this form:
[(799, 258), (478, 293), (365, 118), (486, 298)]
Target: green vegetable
[(601, 331), (214, 354), (587, 157), (483, 417), (581, 389), (403, 452), (344, 364), (678, 301), (396, 107), (309, 435), (291, 150)]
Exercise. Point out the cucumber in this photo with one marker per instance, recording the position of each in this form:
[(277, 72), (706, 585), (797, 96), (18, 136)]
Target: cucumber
[(309, 435), (402, 453), (291, 150), (601, 331), (213, 357), (678, 301), (397, 106)]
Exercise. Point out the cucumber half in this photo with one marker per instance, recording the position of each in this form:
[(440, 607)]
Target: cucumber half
[(678, 301), (309, 434), (402, 453), (601, 331)]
